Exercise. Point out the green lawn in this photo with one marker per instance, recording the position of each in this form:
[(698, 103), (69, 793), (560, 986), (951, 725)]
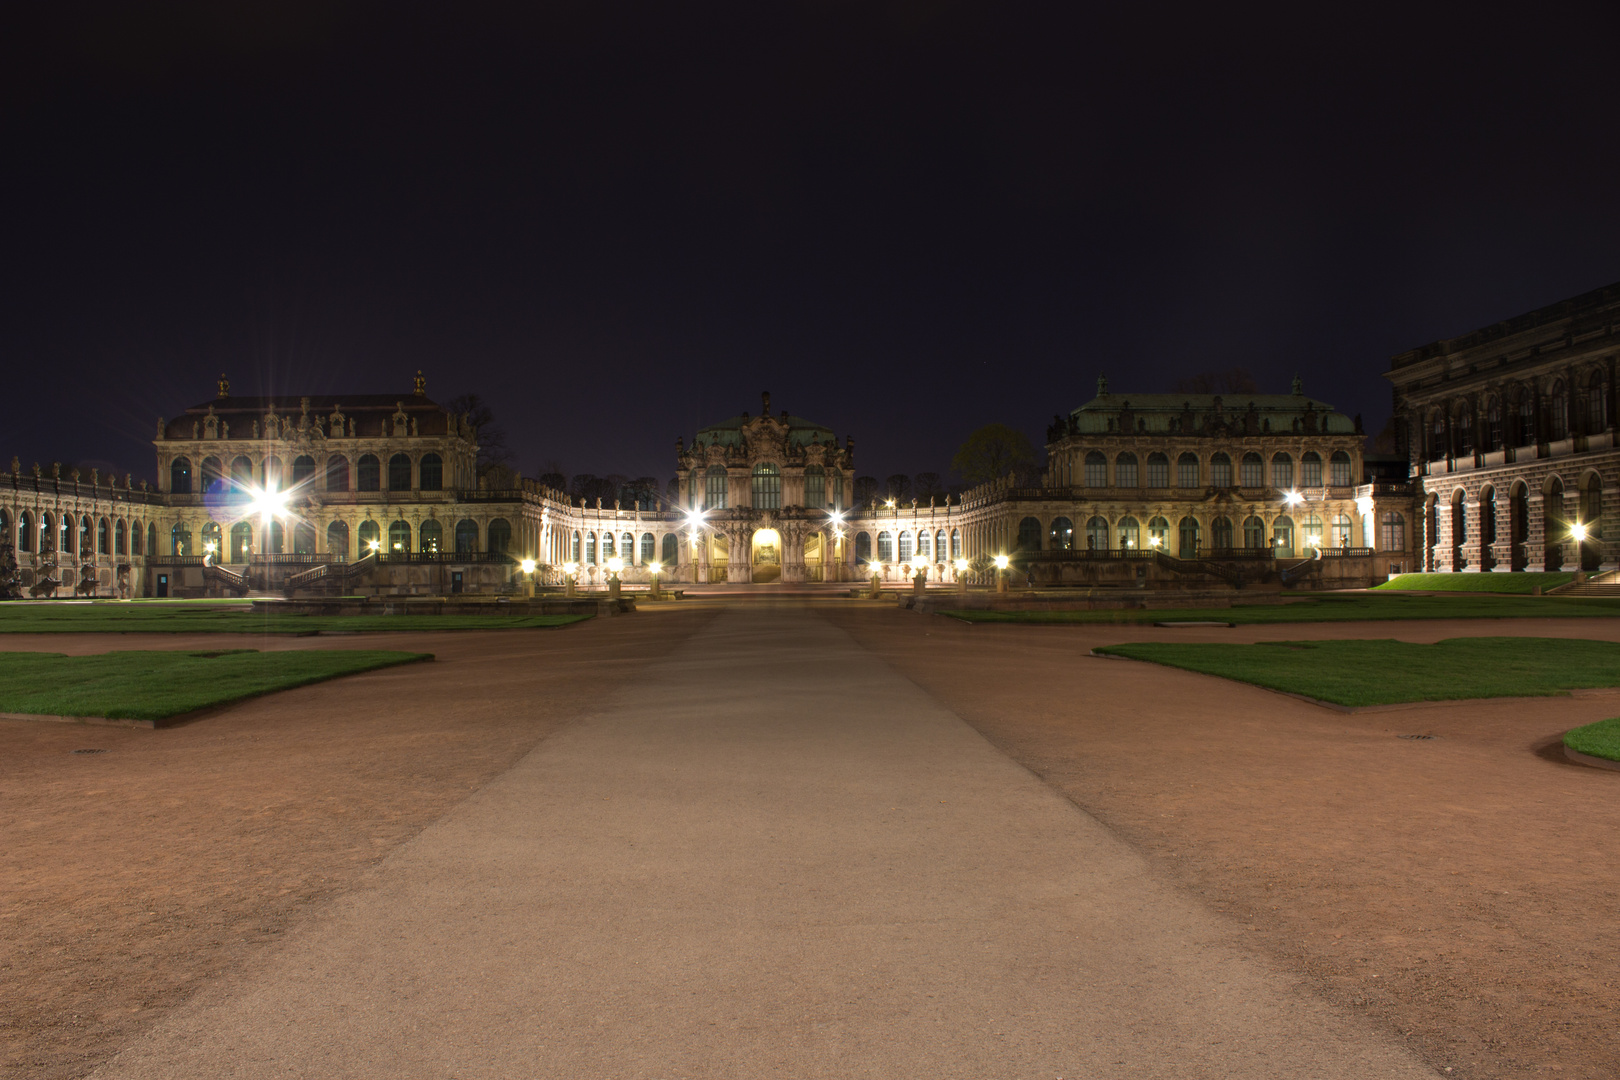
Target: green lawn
[(155, 685), (1348, 607), (1601, 739), (1488, 583), (1383, 672), (210, 617)]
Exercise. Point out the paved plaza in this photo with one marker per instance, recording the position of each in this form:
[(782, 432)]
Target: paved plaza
[(769, 855)]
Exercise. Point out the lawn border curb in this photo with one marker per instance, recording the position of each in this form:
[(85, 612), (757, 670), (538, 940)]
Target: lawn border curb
[(1589, 759)]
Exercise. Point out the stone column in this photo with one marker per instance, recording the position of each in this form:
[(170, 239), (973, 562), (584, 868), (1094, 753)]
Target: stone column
[(1535, 540), (1441, 540), (1473, 545), (1502, 550)]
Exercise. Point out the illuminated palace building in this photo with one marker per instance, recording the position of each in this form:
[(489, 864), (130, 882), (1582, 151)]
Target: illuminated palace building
[(1510, 431)]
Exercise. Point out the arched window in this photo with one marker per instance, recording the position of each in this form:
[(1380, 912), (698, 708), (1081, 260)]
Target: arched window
[(1158, 470), (180, 476), (627, 547), (1097, 534), (1282, 531), (1339, 469), (1527, 419), (1188, 530), (151, 539), (1029, 534), (64, 537), (241, 542), (1125, 470), (87, 543), (1253, 471), (1558, 412), (670, 556), (120, 538), (904, 554), (1187, 471), (714, 494), (1493, 424), (1310, 469), (1282, 470), (368, 473), (1465, 429), (277, 537), (767, 486), (500, 535), (1439, 445), (399, 473), (609, 546), (956, 544), (303, 468), (1313, 534), (1062, 534), (272, 474), (942, 551), (241, 474), (815, 487), (337, 540), (213, 476), (885, 547), (1254, 532), (1393, 529), (925, 548), (1220, 470), (370, 538), (211, 544), (337, 473), (1096, 470), (104, 537), (303, 538), (466, 536), (838, 491), (863, 547), (1341, 531), (180, 540), (399, 537), (576, 550), (431, 537), (25, 531), (432, 472), (1159, 534), (1130, 533)]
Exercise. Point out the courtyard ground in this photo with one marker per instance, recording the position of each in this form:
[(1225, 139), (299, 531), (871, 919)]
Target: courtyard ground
[(1449, 893)]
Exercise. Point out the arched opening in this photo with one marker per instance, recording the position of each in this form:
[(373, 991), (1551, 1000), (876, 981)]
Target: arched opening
[(714, 488), (241, 474), (904, 550), (337, 540), (241, 542), (885, 547), (120, 538), (1220, 470), (1340, 537), (1130, 533), (1459, 530), (1097, 533), (670, 555), (431, 537), (273, 476), (1487, 527), (1187, 471), (576, 551), (1029, 535), (399, 474), (1554, 524), (212, 547), (767, 486), (1339, 469), (25, 531), (1253, 470), (431, 473), (863, 547), (466, 536), (368, 473), (151, 539), (1282, 536), (1096, 470), (1158, 470), (399, 538), (500, 536), (337, 473), (1519, 526), (1159, 534), (303, 469), (180, 540), (1312, 533), (1187, 538), (815, 487), (1062, 534), (1431, 534), (1493, 424), (303, 538), (180, 476), (590, 549), (1393, 526), (278, 537), (370, 537), (1282, 471), (1558, 411), (1125, 470), (104, 536), (767, 553), (1591, 519), (1254, 532), (213, 476), (1310, 469)]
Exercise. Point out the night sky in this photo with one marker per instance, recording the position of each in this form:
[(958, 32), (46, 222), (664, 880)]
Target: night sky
[(905, 220)]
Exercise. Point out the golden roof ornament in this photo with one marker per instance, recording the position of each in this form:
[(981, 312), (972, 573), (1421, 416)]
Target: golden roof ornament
[(224, 386), (421, 384)]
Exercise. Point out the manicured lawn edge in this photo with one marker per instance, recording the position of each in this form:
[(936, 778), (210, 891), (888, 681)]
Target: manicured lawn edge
[(102, 620), (1520, 582), (1597, 743)]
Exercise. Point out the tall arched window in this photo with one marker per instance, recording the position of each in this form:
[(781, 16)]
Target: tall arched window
[(1158, 470), (1096, 470), (1341, 531), (273, 477), (1220, 534), (714, 494), (500, 535), (337, 473), (337, 540), (838, 490), (1339, 469), (1465, 429), (1187, 471), (1282, 470), (151, 539), (1282, 531), (213, 476), (432, 472), (609, 546), (303, 468), (1130, 533), (303, 538), (671, 554), (431, 537), (1159, 534), (1393, 531), (956, 544), (1493, 424), (863, 547), (87, 542), (941, 551), (1558, 412), (1188, 547), (1220, 470), (211, 536), (905, 552), (64, 538), (241, 474), (1310, 469), (25, 531), (241, 542), (925, 548), (180, 476), (399, 472), (180, 540), (399, 537), (885, 547), (370, 538), (120, 538), (1061, 534), (1254, 532), (576, 550), (627, 547), (815, 487), (1253, 470), (767, 486), (1029, 534), (1097, 534), (1597, 405), (649, 548), (1125, 470), (104, 537), (466, 536), (368, 473)]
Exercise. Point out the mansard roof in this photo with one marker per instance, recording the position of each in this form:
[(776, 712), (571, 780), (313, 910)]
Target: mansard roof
[(1164, 412), (801, 432)]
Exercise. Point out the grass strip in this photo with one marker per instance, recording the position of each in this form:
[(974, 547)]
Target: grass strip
[(1601, 739), (234, 619), (1385, 672), (154, 685), (1350, 607), (1522, 582)]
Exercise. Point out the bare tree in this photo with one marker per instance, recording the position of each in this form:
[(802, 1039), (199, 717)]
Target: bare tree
[(992, 452), (492, 449)]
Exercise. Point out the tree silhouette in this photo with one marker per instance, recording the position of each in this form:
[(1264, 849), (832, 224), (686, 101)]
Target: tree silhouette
[(992, 452)]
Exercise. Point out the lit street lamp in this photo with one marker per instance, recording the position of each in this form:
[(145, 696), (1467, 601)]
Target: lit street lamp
[(961, 575), (614, 565), (653, 568), (528, 569), (1002, 562), (570, 578)]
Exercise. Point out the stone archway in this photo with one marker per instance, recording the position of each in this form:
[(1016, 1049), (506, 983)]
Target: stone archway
[(766, 555)]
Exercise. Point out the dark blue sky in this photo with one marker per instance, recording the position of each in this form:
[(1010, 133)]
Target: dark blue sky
[(617, 222)]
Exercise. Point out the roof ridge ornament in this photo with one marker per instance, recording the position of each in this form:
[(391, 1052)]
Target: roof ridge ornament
[(224, 386), (1299, 386)]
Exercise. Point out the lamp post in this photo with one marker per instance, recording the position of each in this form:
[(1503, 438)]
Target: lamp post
[(570, 578), (653, 568), (614, 565), (528, 570), (1002, 562), (1577, 533), (876, 569), (961, 575), (919, 579)]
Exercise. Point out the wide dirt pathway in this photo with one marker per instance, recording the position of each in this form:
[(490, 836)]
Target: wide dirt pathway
[(774, 856)]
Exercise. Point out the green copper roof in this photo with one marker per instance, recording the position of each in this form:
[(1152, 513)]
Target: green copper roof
[(801, 432), (1157, 411)]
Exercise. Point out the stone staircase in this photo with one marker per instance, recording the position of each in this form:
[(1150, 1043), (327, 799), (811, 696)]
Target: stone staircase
[(1604, 584)]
